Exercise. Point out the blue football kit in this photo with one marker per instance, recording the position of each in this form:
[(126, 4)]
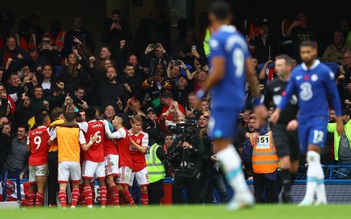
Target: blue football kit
[(315, 87), (228, 95)]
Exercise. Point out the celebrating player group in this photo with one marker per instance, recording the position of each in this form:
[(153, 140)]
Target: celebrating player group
[(95, 149)]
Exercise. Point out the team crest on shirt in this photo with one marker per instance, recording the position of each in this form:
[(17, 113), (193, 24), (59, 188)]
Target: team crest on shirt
[(332, 75), (138, 141), (314, 77), (214, 44)]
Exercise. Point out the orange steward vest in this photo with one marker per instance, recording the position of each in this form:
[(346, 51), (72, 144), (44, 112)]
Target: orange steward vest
[(264, 156), (59, 41), (21, 42)]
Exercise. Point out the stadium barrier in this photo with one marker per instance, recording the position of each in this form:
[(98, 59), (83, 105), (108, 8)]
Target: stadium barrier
[(337, 183)]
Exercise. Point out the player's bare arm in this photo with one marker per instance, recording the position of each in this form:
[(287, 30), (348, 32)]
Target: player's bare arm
[(93, 138), (260, 110), (251, 78), (339, 125)]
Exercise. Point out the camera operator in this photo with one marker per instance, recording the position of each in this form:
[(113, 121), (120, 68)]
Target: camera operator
[(211, 174), (188, 150)]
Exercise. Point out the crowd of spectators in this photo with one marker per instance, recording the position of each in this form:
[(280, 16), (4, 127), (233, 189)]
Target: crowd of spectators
[(134, 74)]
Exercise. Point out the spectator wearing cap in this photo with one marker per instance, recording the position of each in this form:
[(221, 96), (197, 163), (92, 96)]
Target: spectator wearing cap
[(151, 119), (156, 171), (24, 111), (181, 91)]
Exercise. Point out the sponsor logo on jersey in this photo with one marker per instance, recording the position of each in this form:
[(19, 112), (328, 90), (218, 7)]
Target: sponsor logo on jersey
[(276, 89)]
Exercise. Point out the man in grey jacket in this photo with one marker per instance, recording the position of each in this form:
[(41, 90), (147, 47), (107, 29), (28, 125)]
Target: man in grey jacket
[(17, 159)]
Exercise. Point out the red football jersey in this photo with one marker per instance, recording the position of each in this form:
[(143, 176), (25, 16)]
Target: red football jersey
[(96, 152), (123, 145), (39, 147), (139, 161), (110, 147)]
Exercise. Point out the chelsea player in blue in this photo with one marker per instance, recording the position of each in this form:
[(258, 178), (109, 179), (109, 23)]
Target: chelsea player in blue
[(230, 67), (315, 84)]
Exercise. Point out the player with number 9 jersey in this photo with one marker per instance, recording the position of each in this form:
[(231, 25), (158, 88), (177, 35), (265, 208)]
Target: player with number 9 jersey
[(39, 147), (231, 45), (229, 93)]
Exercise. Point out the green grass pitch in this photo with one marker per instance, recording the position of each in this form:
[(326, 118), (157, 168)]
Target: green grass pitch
[(184, 212)]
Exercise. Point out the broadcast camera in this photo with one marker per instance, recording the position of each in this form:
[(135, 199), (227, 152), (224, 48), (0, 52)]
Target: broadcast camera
[(177, 159)]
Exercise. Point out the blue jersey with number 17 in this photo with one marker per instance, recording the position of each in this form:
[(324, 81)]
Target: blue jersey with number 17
[(228, 43)]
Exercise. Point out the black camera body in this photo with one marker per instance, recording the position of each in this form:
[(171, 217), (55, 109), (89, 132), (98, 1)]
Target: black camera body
[(177, 62), (177, 159), (155, 46)]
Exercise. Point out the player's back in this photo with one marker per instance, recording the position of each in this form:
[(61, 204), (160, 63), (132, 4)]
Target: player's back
[(68, 144), (313, 86), (231, 45), (96, 152), (123, 145), (39, 147)]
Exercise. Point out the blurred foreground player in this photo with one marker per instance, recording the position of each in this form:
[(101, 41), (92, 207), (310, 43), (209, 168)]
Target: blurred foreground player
[(230, 60), (315, 84)]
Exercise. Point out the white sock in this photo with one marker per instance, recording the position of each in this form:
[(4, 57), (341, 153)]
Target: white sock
[(315, 174), (231, 164), (321, 195)]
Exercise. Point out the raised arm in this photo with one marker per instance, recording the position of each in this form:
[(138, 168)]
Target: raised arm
[(121, 133)]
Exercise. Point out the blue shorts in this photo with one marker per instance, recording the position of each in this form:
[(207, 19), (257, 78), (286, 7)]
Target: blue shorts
[(223, 123), (312, 132)]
